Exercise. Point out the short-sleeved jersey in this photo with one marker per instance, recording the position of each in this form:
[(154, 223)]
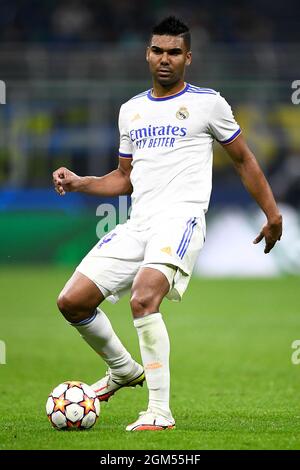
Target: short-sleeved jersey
[(170, 142)]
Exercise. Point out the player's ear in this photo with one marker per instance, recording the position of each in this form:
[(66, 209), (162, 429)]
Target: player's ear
[(147, 53), (188, 59)]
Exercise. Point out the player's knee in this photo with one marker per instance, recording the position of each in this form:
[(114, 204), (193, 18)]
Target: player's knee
[(143, 303), (69, 307)]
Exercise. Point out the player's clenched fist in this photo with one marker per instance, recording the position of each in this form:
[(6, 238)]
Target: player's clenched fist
[(65, 181)]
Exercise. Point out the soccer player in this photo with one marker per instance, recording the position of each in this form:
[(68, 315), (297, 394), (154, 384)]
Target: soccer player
[(165, 163)]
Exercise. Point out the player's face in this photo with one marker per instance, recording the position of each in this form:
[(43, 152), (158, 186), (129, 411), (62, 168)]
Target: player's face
[(167, 57)]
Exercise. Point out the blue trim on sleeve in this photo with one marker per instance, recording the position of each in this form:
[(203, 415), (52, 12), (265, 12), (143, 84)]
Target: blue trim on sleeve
[(230, 138), (125, 155)]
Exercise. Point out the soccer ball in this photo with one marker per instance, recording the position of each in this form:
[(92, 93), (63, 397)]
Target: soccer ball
[(73, 405)]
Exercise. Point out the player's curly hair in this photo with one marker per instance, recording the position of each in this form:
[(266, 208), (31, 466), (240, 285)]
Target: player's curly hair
[(172, 26)]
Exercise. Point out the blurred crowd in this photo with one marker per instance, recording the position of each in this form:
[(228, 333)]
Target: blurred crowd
[(64, 94), (113, 21)]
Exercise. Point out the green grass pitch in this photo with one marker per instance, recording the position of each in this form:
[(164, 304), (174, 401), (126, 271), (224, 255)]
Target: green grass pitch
[(233, 383)]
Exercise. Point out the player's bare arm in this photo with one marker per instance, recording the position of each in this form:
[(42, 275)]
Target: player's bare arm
[(257, 185), (115, 183)]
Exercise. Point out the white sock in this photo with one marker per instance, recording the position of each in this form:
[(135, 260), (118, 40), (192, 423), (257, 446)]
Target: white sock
[(155, 351), (98, 333)]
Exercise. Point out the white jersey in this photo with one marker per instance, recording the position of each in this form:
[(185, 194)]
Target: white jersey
[(170, 142)]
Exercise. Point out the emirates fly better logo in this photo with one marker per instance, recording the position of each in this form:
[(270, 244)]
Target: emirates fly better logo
[(2, 92)]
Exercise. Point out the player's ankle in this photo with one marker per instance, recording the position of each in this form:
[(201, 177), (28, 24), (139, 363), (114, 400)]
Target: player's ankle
[(165, 412), (123, 373)]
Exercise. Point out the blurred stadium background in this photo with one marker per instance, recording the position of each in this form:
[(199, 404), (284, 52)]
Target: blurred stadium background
[(69, 65)]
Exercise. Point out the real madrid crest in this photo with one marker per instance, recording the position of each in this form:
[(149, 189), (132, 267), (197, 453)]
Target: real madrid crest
[(182, 113)]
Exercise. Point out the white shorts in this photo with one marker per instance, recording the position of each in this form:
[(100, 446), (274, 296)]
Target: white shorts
[(171, 247)]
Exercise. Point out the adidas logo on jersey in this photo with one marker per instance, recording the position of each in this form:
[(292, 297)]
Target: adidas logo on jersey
[(136, 117), (167, 250)]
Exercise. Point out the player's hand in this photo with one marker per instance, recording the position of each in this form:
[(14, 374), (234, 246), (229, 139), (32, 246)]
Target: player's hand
[(65, 181), (271, 232)]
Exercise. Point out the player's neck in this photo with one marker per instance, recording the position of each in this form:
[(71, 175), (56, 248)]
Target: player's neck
[(159, 91)]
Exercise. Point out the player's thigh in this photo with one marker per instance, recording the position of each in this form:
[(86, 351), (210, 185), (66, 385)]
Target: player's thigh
[(114, 261), (149, 287), (112, 276)]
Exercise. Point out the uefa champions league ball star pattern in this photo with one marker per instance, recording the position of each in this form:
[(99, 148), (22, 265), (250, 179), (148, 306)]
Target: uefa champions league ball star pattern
[(73, 405)]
